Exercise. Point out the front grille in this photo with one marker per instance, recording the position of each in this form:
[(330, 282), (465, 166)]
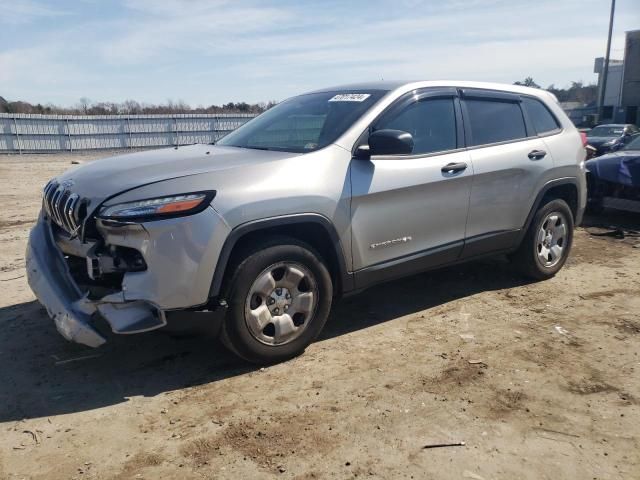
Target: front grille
[(63, 207)]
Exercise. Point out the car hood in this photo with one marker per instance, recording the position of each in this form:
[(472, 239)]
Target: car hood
[(597, 141), (101, 179), (621, 167)]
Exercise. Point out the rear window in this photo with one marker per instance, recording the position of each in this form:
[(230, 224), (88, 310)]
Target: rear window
[(542, 119), (604, 131), (493, 121)]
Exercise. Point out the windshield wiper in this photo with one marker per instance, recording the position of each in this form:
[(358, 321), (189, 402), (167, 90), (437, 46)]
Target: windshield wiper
[(271, 149), (257, 148)]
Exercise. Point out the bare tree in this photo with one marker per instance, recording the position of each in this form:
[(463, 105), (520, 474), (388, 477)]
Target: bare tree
[(84, 105), (131, 107)]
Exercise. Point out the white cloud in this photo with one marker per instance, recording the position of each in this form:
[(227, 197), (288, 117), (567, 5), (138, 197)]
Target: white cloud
[(25, 11), (213, 51), (175, 8), (181, 26)]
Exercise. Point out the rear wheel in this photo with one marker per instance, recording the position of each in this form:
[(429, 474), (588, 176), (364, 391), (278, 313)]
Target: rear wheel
[(547, 243), (279, 299)]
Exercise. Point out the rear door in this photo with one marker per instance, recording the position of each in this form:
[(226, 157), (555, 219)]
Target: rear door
[(409, 207), (509, 162)]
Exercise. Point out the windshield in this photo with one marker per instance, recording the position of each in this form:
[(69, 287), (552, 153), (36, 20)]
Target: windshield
[(304, 123), (634, 145), (605, 132)]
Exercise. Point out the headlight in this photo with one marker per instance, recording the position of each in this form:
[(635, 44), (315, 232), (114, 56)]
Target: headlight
[(161, 207)]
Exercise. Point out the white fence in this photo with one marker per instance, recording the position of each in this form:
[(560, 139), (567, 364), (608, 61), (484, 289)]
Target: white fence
[(26, 133)]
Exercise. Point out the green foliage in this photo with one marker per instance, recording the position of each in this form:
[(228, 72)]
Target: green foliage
[(527, 82), (576, 92)]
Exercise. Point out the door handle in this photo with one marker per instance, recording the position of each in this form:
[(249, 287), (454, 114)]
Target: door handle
[(454, 167), (537, 154)]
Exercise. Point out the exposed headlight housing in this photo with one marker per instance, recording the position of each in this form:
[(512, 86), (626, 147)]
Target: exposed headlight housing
[(157, 208)]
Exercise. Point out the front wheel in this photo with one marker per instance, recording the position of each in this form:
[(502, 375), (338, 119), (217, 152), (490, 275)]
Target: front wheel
[(547, 243), (279, 300)]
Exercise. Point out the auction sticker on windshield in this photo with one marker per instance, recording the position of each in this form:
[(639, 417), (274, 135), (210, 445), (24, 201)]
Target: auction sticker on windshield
[(350, 97)]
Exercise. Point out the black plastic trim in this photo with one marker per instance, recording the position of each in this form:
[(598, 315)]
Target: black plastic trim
[(347, 281), (496, 95), (414, 97), (486, 245), (408, 265), (461, 141), (489, 243), (184, 321), (543, 191)]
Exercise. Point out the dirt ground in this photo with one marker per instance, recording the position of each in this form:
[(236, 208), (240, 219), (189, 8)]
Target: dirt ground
[(540, 380)]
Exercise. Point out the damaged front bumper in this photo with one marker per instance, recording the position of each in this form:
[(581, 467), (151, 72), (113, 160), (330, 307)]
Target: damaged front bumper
[(51, 282), (137, 304)]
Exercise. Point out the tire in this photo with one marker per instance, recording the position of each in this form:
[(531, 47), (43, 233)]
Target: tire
[(536, 246), (262, 279)]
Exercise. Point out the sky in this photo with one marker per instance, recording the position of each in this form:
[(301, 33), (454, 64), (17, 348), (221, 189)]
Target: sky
[(208, 52)]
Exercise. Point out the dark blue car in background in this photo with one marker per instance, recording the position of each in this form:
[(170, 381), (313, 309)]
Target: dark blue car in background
[(612, 137), (614, 179)]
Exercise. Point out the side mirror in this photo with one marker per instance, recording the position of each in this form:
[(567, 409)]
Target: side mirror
[(390, 142)]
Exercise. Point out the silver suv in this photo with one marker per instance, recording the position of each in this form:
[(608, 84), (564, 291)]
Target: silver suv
[(325, 194)]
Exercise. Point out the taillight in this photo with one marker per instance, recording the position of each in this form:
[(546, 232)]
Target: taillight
[(584, 139)]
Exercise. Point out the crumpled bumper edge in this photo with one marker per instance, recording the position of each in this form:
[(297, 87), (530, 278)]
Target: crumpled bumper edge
[(50, 281)]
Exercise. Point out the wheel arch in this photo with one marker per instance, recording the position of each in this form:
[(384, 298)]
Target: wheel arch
[(312, 228), (562, 188)]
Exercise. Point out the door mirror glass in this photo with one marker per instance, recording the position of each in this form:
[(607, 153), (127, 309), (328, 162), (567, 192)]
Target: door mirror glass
[(390, 142)]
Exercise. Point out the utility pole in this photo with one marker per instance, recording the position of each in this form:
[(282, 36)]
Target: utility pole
[(605, 71)]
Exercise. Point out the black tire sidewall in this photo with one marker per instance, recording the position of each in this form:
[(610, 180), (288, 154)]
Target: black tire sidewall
[(236, 332)]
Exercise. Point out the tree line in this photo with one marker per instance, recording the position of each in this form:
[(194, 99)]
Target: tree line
[(575, 92), (129, 107)]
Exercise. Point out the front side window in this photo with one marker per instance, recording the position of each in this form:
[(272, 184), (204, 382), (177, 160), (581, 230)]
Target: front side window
[(540, 116), (493, 121), (304, 123), (431, 122)]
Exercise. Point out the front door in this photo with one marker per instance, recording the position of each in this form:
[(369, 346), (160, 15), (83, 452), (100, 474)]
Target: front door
[(409, 211)]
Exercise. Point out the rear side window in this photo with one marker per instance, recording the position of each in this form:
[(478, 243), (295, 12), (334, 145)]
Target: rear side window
[(432, 123), (493, 121), (540, 116)]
